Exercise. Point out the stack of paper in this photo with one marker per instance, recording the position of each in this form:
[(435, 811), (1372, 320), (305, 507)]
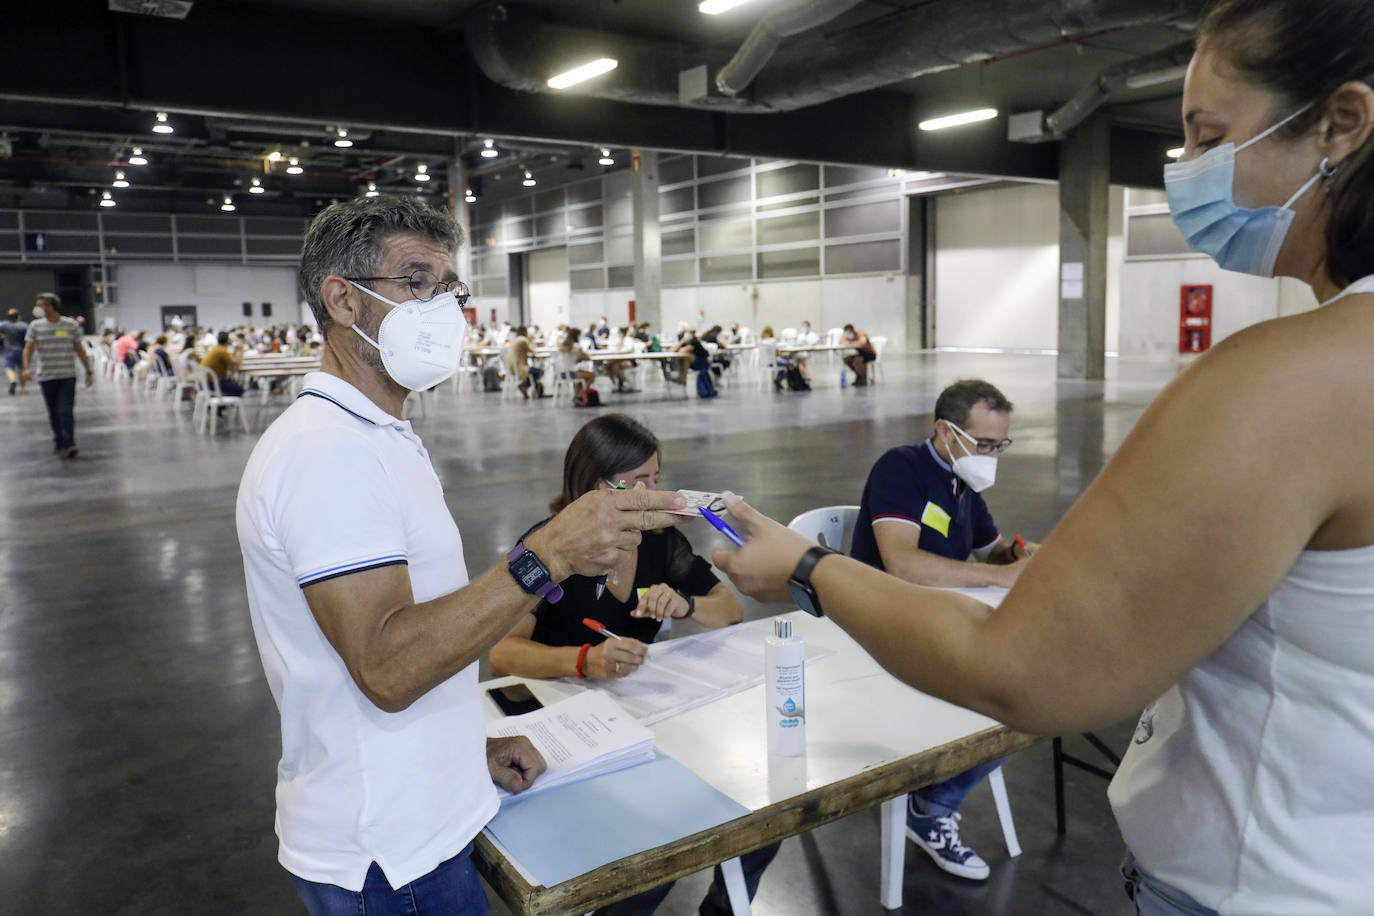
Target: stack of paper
[(583, 736)]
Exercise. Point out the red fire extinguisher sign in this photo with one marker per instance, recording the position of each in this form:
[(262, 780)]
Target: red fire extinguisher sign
[(1195, 318)]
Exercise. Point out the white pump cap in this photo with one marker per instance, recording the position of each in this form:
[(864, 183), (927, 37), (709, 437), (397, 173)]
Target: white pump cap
[(782, 628)]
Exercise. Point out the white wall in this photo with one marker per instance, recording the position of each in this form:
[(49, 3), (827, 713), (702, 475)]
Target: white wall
[(217, 290), (547, 271)]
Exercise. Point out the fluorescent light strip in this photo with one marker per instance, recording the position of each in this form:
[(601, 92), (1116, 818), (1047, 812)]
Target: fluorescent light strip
[(716, 7), (585, 72), (955, 120), (1174, 153)]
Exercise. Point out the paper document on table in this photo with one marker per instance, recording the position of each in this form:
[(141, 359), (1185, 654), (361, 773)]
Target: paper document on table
[(654, 693), (583, 736)]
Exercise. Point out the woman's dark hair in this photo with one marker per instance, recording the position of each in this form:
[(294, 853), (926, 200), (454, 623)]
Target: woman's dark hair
[(1303, 52), (608, 445)]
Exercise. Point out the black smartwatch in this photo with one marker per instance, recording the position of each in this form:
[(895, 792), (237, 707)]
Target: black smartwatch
[(691, 604), (532, 575), (803, 592)]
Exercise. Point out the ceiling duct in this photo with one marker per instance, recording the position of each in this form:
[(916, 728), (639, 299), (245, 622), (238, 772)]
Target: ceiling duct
[(515, 48), (163, 9), (1152, 69), (763, 41)]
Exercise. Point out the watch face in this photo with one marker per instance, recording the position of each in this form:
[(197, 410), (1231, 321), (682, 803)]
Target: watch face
[(806, 598), (529, 572)]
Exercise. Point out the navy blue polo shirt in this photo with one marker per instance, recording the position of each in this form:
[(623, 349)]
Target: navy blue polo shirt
[(913, 485)]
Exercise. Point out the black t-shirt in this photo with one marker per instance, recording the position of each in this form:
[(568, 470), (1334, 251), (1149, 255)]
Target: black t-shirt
[(664, 557)]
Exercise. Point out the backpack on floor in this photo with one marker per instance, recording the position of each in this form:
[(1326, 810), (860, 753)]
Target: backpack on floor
[(588, 398), (706, 386), (491, 379), (796, 381)]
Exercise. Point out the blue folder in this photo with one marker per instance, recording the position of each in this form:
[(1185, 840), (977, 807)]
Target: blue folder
[(565, 832)]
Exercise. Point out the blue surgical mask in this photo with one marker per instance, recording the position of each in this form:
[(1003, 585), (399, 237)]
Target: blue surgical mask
[(1202, 201)]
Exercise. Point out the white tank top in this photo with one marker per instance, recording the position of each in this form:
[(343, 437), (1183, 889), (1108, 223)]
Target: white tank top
[(1249, 785)]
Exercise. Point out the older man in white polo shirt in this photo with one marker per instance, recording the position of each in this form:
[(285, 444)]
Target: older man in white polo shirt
[(368, 626)]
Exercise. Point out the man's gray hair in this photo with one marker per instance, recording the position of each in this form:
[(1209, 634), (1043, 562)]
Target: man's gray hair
[(51, 298), (956, 402), (346, 239)]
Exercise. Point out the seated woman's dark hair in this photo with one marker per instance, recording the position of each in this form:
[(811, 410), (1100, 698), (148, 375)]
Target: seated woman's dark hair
[(610, 444)]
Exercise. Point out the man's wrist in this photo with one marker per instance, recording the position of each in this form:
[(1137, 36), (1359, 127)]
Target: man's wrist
[(552, 560)]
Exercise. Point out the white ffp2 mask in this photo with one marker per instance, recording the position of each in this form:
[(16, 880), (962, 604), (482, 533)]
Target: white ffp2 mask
[(421, 343), (978, 471)]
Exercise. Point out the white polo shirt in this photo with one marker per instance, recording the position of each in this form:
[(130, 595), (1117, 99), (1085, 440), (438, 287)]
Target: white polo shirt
[(336, 486)]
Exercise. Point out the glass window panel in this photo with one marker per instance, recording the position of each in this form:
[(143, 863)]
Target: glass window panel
[(680, 273), (201, 244), (790, 180), (9, 241), (9, 219), (135, 222), (550, 224), (719, 165), (789, 204), (883, 216), (208, 225), (516, 229), (586, 254), (271, 246), (836, 175), (548, 200), (675, 169), (726, 191), (863, 257), (485, 213), (491, 236), (146, 244), (1154, 234), (584, 192), (678, 200), (727, 267), (38, 221), (621, 277), (489, 263), (620, 249), (795, 227), (734, 211), (682, 242), (520, 206), (722, 234), (492, 286), (795, 262), (586, 279), (620, 211), (267, 225), (585, 217)]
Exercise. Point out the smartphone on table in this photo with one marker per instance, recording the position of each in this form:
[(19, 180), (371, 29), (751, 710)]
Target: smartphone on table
[(514, 699)]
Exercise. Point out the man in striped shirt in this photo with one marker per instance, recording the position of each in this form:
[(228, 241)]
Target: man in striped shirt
[(57, 342)]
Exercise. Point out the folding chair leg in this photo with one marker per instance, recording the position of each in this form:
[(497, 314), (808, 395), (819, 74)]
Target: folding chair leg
[(998, 783), (735, 887), (893, 815)]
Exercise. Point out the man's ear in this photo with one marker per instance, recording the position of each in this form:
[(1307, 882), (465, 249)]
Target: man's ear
[(334, 293)]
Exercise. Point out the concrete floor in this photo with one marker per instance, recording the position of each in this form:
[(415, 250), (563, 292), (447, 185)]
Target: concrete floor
[(138, 740)]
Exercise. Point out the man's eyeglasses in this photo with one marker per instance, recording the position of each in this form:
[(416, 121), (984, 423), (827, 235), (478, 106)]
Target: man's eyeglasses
[(983, 446), (424, 285)]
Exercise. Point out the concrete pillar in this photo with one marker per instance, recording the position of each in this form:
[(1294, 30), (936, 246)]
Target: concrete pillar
[(1083, 204), (457, 188), (648, 240)]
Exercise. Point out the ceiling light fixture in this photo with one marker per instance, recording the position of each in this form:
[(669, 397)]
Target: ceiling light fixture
[(160, 125), (585, 72), (422, 172), (529, 179), (119, 181), (274, 156), (716, 7), (342, 141), (371, 189), (469, 196), (295, 167), (106, 200), (489, 149), (955, 120), (1174, 153), (228, 205), (606, 157), (256, 187), (137, 157)]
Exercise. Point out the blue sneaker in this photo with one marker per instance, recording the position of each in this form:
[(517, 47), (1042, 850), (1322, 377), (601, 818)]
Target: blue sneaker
[(939, 837)]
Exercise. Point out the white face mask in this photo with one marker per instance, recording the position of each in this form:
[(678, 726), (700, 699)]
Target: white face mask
[(421, 342), (978, 471), (38, 311)]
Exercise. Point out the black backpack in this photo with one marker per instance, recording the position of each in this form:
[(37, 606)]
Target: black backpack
[(491, 379), (796, 381)]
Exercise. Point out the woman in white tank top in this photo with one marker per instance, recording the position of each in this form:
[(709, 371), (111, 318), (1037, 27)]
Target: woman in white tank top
[(1220, 570)]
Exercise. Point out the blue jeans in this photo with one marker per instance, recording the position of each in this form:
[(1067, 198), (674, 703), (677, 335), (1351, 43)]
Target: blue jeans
[(944, 798), (59, 394), (1155, 898), (717, 900), (452, 889)]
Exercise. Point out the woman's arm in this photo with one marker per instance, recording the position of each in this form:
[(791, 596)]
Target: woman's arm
[(717, 608), (517, 653), (1190, 526)]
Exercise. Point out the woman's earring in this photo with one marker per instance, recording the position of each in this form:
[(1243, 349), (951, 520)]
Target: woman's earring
[(1328, 171)]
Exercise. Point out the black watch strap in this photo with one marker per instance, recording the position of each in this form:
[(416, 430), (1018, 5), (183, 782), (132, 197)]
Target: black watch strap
[(802, 574), (691, 605)]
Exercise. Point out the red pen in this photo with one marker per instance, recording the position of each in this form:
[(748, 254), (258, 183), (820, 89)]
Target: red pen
[(598, 626), (1022, 544)]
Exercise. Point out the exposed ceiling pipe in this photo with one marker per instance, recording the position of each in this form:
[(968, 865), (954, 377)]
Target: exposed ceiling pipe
[(763, 41), (1152, 69), (515, 48)]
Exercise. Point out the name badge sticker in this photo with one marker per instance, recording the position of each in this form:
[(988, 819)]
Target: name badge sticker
[(935, 518)]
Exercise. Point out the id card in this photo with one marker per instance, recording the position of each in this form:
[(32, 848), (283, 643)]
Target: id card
[(713, 501)]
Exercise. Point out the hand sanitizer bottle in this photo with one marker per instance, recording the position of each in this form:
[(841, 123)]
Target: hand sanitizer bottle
[(785, 691)]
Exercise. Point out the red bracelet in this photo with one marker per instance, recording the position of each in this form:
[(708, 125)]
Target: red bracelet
[(582, 658)]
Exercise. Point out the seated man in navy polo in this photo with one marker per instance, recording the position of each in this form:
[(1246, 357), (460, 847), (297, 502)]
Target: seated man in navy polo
[(922, 518)]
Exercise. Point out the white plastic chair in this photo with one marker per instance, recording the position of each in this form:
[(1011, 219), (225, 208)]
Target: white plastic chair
[(209, 400), (789, 335), (875, 368), (829, 526), (833, 335)]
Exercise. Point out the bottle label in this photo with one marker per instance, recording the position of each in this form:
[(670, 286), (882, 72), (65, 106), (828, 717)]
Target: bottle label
[(789, 687)]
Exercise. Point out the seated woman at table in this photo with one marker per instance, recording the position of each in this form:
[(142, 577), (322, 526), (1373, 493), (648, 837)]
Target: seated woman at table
[(572, 362), (661, 579)]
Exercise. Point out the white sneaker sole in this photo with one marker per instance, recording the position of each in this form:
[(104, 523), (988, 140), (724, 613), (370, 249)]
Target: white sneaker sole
[(970, 872)]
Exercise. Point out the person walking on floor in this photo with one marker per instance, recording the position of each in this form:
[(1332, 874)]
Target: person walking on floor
[(57, 342)]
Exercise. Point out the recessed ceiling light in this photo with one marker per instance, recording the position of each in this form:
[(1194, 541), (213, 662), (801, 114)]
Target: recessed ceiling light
[(529, 179), (1174, 153), (606, 157), (955, 120), (371, 189), (470, 197), (489, 149), (295, 167), (716, 7), (256, 187), (160, 125), (342, 140), (119, 180), (137, 157), (584, 72), (106, 200), (274, 156), (422, 172), (228, 205)]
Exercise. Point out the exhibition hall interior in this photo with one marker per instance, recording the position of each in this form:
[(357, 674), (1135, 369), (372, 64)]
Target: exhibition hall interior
[(770, 232)]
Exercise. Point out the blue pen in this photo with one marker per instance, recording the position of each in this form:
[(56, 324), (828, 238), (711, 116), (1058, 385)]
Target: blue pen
[(601, 580), (719, 524)]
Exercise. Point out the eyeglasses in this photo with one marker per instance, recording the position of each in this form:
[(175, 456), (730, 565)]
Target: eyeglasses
[(983, 446), (424, 285)]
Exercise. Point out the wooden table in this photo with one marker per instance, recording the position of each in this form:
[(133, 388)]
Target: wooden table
[(870, 740)]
